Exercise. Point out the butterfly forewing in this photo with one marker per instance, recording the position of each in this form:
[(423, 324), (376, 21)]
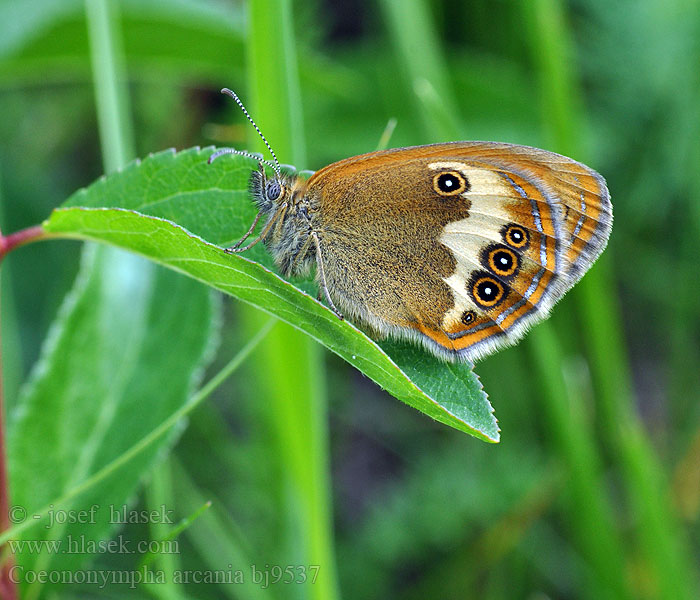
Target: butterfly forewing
[(465, 243)]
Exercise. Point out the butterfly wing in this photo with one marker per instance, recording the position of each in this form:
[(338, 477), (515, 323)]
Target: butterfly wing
[(463, 245)]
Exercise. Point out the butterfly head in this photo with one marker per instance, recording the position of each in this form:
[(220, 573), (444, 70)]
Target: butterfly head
[(272, 192), (268, 193)]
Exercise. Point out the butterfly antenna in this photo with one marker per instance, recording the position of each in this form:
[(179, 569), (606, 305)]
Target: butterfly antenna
[(276, 166), (222, 151)]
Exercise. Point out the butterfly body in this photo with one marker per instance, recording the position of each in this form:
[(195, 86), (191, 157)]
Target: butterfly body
[(461, 245)]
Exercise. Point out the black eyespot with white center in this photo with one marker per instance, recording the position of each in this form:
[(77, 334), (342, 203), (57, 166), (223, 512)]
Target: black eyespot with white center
[(273, 189), (500, 260), (468, 317), (486, 290), (450, 183), (516, 236)]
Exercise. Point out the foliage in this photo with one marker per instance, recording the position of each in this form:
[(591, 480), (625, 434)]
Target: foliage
[(592, 491)]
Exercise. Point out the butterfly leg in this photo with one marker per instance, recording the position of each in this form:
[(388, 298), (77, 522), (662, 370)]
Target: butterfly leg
[(237, 245), (322, 276), (235, 249)]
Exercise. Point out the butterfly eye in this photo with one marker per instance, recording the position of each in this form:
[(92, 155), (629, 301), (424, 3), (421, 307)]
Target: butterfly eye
[(516, 236), (273, 189), (468, 317), (501, 260), (485, 290), (450, 183)]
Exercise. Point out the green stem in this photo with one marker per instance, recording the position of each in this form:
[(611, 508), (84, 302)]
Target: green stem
[(591, 521), (159, 493), (291, 378), (658, 531), (175, 532), (111, 95)]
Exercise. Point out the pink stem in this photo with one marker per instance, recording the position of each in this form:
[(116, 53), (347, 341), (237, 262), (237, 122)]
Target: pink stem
[(8, 589), (24, 236)]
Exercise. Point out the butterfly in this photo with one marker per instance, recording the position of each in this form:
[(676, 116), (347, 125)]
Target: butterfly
[(460, 246)]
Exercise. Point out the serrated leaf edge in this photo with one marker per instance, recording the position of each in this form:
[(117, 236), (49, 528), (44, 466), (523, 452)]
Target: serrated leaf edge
[(429, 397)]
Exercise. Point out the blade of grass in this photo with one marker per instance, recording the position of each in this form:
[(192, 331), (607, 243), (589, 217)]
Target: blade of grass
[(684, 359), (159, 494), (111, 97), (647, 489), (219, 541), (591, 517), (384, 139), (576, 447), (418, 48), (64, 501), (291, 378), (174, 533), (115, 139), (594, 525)]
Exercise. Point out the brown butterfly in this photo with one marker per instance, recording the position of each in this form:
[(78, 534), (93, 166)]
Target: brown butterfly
[(461, 246)]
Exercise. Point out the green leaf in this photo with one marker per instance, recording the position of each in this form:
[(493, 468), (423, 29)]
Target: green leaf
[(120, 359), (168, 205), (163, 38)]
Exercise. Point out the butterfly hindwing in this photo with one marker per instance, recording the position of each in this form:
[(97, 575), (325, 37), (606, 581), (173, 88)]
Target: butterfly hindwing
[(464, 244)]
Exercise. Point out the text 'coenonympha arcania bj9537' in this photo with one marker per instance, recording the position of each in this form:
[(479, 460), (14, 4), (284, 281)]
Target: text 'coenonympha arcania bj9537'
[(461, 245)]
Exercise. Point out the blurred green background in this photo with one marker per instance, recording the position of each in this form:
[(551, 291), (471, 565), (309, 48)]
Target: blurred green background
[(594, 489)]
